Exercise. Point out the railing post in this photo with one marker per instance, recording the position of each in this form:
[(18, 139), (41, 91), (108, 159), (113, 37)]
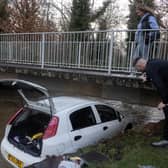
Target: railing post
[(79, 55), (10, 51), (42, 50), (111, 52), (131, 57)]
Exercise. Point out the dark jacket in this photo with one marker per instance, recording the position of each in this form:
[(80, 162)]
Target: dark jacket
[(147, 24), (157, 73)]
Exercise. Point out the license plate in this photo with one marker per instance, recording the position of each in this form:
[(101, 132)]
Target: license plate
[(16, 161)]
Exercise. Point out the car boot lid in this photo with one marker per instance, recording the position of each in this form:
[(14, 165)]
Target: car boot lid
[(21, 85)]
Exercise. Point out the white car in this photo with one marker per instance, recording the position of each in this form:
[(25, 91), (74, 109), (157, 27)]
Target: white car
[(55, 126)]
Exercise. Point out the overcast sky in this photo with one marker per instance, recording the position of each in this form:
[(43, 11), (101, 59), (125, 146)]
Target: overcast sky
[(123, 4)]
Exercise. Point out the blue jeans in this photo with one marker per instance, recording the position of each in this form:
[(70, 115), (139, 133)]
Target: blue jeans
[(142, 50)]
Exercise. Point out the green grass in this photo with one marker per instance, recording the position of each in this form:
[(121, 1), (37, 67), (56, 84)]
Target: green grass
[(129, 151)]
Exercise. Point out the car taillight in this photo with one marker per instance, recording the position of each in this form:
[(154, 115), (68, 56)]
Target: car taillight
[(51, 130), (14, 116)]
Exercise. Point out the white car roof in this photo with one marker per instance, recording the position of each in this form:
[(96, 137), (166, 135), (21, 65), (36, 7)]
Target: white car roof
[(62, 103)]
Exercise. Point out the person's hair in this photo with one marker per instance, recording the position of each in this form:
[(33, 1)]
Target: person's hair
[(136, 60), (147, 9)]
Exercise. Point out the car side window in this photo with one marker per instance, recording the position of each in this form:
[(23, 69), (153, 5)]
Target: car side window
[(106, 113), (82, 118)]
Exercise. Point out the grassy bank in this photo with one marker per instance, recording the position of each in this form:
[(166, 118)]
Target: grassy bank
[(129, 151)]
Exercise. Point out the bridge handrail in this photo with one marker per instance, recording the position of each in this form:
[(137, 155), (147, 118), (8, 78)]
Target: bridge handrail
[(107, 51)]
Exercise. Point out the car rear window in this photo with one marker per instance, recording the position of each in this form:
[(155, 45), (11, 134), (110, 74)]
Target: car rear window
[(106, 113), (82, 118)]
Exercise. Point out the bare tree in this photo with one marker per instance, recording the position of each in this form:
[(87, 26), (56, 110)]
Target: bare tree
[(162, 10), (64, 11), (4, 14), (25, 16), (111, 18)]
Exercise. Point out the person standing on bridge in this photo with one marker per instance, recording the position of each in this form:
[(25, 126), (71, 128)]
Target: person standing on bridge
[(156, 71), (147, 32)]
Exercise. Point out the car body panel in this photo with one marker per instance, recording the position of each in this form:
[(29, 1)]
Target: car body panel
[(109, 128), (84, 136), (60, 143), (8, 148)]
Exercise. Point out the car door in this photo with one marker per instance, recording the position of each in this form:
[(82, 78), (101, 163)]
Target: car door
[(109, 124), (84, 127), (26, 88)]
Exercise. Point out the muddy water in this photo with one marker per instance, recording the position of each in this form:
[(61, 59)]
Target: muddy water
[(6, 110), (9, 103)]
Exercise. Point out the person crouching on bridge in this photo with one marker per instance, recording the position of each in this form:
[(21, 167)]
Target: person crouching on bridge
[(156, 71)]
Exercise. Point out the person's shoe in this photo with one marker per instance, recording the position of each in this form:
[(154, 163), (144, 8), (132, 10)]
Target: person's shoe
[(161, 143)]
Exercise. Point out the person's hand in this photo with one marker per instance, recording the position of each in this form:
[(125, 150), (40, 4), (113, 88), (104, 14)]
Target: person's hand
[(161, 105), (143, 77)]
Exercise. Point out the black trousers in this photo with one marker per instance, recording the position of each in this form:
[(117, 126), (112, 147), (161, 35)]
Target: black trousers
[(165, 129)]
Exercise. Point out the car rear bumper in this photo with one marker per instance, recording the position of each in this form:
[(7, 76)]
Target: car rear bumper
[(20, 156)]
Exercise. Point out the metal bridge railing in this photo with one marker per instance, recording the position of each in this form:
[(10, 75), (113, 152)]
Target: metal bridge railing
[(99, 51)]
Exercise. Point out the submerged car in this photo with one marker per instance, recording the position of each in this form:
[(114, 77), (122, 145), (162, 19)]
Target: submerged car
[(55, 126)]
